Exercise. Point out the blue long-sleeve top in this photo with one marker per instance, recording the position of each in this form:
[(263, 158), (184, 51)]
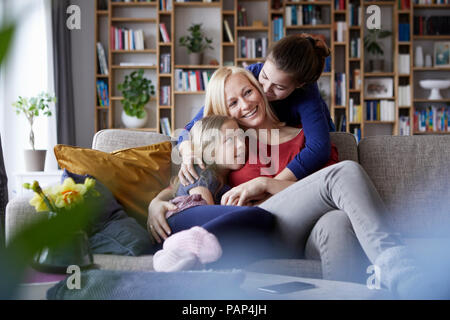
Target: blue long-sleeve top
[(304, 107)]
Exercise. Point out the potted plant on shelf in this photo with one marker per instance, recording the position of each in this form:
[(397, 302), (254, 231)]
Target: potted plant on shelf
[(32, 108), (136, 91), (374, 47), (196, 43)]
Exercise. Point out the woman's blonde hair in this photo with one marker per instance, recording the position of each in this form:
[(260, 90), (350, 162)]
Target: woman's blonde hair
[(215, 103), (204, 136)]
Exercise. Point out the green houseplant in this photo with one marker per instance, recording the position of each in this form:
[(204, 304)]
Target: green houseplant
[(136, 91), (34, 107), (374, 47), (196, 43)]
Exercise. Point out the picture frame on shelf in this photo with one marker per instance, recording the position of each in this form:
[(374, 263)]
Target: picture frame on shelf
[(442, 54), (378, 88)]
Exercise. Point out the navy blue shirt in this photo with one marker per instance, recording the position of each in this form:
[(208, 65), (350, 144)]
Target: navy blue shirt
[(304, 106), (206, 179)]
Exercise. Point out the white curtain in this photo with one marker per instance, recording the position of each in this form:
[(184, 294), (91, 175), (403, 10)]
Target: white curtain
[(27, 72)]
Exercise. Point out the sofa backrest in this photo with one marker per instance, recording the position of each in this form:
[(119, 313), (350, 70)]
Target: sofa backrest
[(346, 145), (412, 175)]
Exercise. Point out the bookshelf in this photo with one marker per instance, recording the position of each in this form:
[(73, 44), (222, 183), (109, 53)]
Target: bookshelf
[(269, 19)]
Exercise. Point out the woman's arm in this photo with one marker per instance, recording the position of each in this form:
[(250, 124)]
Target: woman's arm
[(156, 222)]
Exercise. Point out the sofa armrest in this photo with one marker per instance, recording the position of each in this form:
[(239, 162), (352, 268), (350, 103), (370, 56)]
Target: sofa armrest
[(19, 213)]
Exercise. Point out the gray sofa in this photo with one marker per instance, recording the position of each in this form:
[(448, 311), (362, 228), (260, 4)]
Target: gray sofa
[(411, 173)]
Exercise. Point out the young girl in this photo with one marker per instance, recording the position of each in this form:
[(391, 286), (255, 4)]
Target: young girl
[(217, 141), (288, 78)]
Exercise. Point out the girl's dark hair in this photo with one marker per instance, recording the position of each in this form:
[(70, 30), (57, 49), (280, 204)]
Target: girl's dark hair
[(300, 55)]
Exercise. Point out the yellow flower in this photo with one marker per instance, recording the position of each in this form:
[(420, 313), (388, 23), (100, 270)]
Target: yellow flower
[(38, 203), (70, 194)]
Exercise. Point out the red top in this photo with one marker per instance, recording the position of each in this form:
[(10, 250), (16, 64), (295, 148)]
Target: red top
[(268, 166)]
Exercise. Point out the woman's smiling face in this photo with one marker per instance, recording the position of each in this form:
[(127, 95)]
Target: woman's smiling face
[(244, 102)]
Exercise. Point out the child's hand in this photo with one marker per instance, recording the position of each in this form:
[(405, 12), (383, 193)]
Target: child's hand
[(187, 173), (244, 193), (156, 223)]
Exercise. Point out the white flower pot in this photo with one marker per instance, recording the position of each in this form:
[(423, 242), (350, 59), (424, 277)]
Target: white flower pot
[(35, 160), (134, 122)]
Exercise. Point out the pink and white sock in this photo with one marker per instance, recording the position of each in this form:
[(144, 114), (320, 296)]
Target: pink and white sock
[(186, 250)]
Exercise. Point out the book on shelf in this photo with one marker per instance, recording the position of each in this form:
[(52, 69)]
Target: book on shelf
[(404, 96), (242, 16), (165, 126), (164, 96), (432, 25), (355, 14), (357, 134), (102, 93), (327, 67), (432, 119), (126, 39), (299, 15), (164, 34), (339, 4), (102, 62), (355, 111), (403, 32), (340, 94), (164, 66), (404, 4), (380, 110), (228, 31), (404, 63), (340, 30), (342, 123), (404, 126), (192, 80), (431, 1), (357, 79), (277, 28), (165, 5), (355, 48), (252, 47)]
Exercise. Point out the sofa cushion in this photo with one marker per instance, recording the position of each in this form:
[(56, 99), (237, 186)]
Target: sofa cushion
[(412, 176), (135, 175)]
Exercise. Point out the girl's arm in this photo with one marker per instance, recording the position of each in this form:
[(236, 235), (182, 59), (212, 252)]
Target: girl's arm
[(156, 221), (317, 134), (204, 192)]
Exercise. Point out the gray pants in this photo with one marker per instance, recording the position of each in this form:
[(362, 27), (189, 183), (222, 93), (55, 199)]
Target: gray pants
[(331, 215)]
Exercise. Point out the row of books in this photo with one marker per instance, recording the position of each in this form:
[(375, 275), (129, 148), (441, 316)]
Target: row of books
[(164, 34), (431, 1), (380, 110), (357, 134), (342, 123), (165, 126), (355, 80), (404, 62), (164, 96), (339, 4), (165, 5), (102, 93), (432, 119), (252, 47), (340, 81), (404, 95), (403, 32), (434, 25), (355, 48), (126, 39), (277, 28), (354, 111), (164, 63), (340, 28), (242, 16), (404, 4), (355, 14), (192, 80), (404, 126), (303, 15), (102, 62)]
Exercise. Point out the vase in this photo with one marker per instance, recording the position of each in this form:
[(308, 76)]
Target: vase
[(35, 160), (195, 58), (57, 258), (418, 59), (134, 122), (376, 65)]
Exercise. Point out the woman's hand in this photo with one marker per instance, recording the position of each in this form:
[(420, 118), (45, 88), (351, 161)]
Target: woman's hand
[(156, 223), (187, 173), (246, 193)]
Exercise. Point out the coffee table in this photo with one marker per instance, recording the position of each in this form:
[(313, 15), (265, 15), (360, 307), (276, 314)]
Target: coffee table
[(323, 290)]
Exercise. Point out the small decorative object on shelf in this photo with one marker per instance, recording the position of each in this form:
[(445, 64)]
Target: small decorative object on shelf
[(435, 86), (32, 108), (374, 47), (66, 199), (442, 54), (136, 91), (418, 61), (196, 43)]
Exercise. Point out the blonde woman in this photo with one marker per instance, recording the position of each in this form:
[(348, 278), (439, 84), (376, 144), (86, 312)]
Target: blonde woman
[(298, 205)]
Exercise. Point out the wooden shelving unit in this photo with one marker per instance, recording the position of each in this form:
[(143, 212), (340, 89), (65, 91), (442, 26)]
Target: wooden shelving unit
[(341, 60)]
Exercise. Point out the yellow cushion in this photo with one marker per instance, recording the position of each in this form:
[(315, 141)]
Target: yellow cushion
[(134, 176)]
